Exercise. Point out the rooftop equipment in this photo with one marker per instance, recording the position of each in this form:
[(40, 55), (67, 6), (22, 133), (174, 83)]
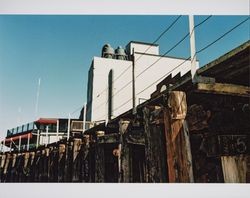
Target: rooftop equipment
[(120, 53), (108, 51)]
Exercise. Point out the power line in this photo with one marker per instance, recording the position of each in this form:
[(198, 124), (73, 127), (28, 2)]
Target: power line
[(172, 48), (157, 39), (122, 104), (199, 51), (229, 31), (164, 75), (168, 51)]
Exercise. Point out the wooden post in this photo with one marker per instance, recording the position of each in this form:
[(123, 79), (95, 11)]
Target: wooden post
[(68, 162), (179, 158), (99, 163), (154, 143), (123, 155), (76, 160), (61, 162), (85, 159)]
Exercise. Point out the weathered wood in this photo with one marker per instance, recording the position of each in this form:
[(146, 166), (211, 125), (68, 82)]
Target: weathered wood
[(123, 153), (61, 162), (234, 168), (77, 160), (222, 88), (85, 159), (108, 139), (197, 117), (177, 139), (68, 162), (154, 152), (99, 163)]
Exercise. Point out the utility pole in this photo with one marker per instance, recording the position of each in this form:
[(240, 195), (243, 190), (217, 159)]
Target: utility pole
[(192, 48), (133, 82)]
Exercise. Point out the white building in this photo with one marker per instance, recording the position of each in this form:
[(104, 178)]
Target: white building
[(110, 89)]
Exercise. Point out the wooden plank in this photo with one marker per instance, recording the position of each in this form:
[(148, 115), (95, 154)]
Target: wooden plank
[(223, 88), (234, 168), (108, 139), (179, 158)]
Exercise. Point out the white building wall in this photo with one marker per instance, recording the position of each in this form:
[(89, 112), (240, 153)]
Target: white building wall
[(141, 48), (156, 72), (102, 67), (122, 87)]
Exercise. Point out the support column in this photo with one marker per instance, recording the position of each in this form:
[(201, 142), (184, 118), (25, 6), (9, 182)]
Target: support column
[(179, 157), (123, 155)]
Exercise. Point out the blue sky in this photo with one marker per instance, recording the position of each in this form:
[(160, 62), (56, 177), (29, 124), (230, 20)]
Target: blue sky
[(59, 49)]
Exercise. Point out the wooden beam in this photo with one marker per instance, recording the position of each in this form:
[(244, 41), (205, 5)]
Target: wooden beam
[(223, 88), (108, 139)]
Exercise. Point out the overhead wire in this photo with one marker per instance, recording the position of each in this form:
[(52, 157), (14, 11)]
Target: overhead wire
[(168, 51), (201, 50), (124, 71)]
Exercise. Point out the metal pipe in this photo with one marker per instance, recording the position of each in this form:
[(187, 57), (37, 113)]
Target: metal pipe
[(192, 48), (84, 117), (133, 82)]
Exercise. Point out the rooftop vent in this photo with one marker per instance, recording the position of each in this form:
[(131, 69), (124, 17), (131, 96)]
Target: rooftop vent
[(120, 53), (108, 51)]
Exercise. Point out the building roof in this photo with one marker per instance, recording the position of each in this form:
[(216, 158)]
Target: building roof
[(142, 43)]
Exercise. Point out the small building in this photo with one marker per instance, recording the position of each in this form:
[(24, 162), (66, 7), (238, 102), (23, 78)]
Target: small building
[(111, 76), (40, 132)]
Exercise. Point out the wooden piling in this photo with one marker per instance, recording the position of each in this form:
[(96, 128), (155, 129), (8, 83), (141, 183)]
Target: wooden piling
[(179, 156)]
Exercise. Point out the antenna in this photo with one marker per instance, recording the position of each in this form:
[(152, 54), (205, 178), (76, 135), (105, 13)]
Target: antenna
[(37, 98)]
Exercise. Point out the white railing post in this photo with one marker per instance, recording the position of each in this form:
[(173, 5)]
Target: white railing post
[(68, 127), (47, 135), (28, 144), (37, 138), (57, 130), (19, 143)]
